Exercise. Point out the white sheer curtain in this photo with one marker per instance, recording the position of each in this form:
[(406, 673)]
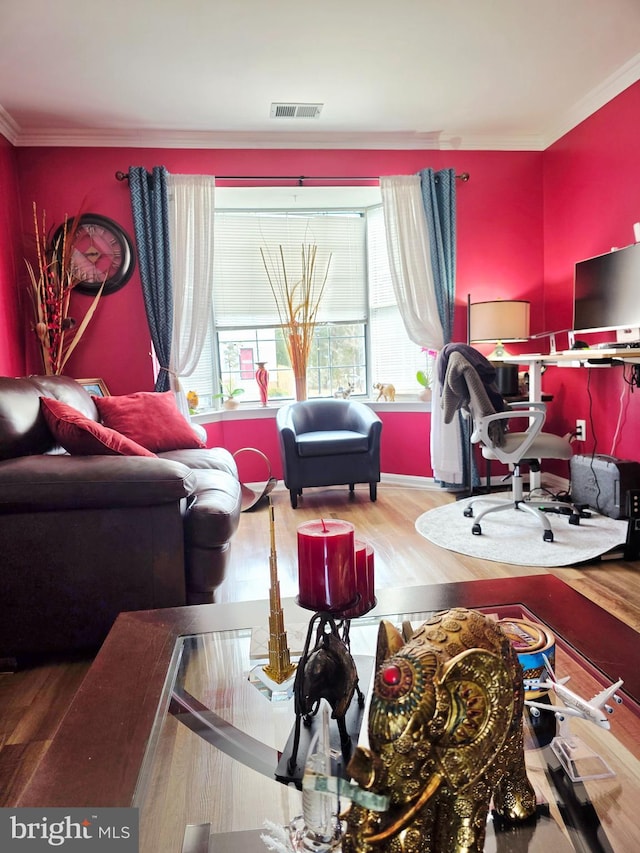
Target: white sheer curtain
[(446, 440), (191, 212), (410, 259), (413, 284)]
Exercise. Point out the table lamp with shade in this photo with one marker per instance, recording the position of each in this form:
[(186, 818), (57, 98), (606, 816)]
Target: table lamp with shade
[(498, 321)]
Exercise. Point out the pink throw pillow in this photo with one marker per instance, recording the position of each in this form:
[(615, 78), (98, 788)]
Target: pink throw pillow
[(150, 418), (81, 436)]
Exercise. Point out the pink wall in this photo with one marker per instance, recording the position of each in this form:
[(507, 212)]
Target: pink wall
[(524, 218), (68, 181), (405, 444), (500, 248), (591, 178), (499, 224), (12, 331)]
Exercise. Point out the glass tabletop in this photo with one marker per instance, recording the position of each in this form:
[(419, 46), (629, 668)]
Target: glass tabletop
[(216, 742)]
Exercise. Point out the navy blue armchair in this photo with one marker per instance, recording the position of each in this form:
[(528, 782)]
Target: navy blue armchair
[(329, 442)]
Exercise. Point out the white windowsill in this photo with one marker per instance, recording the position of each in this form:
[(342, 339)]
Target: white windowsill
[(254, 411)]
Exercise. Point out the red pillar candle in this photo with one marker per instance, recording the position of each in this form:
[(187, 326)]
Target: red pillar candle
[(326, 564), (365, 581)]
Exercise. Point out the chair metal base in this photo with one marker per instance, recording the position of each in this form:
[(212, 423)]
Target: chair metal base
[(517, 501)]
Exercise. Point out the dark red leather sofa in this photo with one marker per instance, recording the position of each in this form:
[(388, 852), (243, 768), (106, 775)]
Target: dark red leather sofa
[(83, 538)]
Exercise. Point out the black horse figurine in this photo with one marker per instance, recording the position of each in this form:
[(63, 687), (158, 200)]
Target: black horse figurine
[(325, 671)]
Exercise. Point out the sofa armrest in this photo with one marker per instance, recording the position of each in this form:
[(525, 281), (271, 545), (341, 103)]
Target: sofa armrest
[(44, 483), (210, 458)]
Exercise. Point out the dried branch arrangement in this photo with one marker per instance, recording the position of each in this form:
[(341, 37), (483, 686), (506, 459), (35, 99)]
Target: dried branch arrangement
[(297, 301), (52, 282)]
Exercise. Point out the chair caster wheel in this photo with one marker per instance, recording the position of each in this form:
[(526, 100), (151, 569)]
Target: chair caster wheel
[(476, 529), (468, 512), (574, 518), (547, 536)]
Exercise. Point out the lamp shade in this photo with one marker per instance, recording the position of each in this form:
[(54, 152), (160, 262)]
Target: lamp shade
[(502, 320)]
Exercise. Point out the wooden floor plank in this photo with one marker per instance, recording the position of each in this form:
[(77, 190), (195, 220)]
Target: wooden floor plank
[(17, 764)]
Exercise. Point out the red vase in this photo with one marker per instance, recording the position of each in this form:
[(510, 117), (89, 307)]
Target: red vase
[(262, 378)]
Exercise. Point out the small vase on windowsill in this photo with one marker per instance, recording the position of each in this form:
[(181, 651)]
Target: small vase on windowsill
[(424, 379), (262, 378), (229, 398)]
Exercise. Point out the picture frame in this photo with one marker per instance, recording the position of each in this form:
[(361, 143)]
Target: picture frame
[(96, 387)]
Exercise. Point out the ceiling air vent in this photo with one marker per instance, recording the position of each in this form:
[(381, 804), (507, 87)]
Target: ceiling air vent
[(283, 110)]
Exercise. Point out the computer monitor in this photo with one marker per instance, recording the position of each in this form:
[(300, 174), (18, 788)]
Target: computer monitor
[(607, 291)]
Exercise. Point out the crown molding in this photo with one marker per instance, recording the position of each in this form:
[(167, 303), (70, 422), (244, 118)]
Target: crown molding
[(8, 127), (80, 137), (485, 142), (621, 79)]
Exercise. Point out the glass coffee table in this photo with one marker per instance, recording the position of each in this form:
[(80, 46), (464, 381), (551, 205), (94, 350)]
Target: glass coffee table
[(169, 721)]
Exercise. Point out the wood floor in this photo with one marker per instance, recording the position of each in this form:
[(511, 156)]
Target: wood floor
[(33, 700)]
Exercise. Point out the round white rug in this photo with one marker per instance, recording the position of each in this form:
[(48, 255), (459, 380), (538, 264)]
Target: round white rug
[(516, 537)]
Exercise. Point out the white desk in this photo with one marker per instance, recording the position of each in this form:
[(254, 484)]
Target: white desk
[(566, 358), (569, 358)]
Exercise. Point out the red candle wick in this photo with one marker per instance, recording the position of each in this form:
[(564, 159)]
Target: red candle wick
[(325, 529)]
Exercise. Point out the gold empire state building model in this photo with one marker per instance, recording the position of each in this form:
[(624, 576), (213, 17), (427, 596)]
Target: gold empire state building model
[(279, 667)]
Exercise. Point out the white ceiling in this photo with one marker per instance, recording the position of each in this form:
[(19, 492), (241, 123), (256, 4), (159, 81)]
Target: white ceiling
[(503, 74)]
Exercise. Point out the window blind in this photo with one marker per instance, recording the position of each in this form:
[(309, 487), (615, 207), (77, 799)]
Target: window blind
[(242, 295)]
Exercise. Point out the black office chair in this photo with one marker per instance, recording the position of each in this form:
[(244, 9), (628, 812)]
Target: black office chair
[(468, 385), (329, 442)]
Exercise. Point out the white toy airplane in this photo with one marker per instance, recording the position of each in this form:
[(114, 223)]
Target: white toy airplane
[(574, 705)]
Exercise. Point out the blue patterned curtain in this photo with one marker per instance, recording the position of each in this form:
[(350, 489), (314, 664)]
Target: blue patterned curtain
[(151, 223), (439, 199)]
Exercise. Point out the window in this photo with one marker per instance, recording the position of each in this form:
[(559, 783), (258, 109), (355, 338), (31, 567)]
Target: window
[(360, 338), (337, 361)]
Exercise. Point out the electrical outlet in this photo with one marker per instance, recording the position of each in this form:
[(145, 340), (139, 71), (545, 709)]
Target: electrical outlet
[(581, 430)]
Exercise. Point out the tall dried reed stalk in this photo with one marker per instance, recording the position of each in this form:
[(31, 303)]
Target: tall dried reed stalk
[(52, 282), (297, 305)]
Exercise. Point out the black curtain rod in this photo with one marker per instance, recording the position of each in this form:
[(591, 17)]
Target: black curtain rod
[(123, 176)]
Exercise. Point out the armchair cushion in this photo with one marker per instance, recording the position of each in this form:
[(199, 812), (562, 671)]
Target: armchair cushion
[(150, 419), (331, 441), (81, 436)]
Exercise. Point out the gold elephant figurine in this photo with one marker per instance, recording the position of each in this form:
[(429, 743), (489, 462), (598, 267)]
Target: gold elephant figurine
[(445, 736)]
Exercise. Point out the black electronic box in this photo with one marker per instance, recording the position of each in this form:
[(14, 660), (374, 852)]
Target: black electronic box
[(603, 483)]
